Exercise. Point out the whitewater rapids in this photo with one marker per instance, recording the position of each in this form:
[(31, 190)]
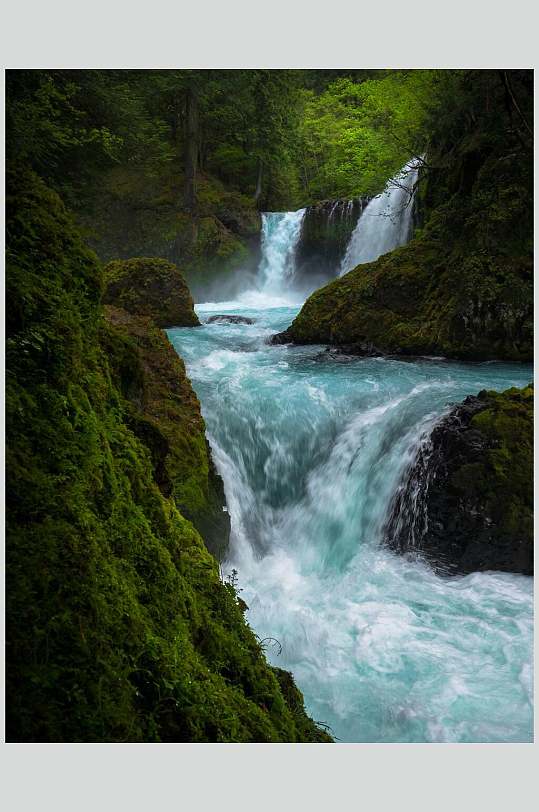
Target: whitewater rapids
[(311, 447)]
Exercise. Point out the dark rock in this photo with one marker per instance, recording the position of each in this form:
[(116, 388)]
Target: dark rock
[(360, 348), (466, 502), (281, 338), (230, 319), (325, 234)]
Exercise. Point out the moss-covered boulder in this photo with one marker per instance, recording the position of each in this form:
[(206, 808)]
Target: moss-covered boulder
[(165, 414), (420, 300), (119, 627), (467, 500), (149, 286)]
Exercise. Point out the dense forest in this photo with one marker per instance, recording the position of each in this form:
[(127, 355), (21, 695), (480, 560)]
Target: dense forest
[(183, 161), (131, 194)]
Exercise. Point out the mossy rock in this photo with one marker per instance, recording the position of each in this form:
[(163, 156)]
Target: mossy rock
[(153, 287), (467, 503), (165, 416), (119, 627), (418, 301)]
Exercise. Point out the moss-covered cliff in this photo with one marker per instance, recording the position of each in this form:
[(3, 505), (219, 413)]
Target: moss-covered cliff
[(118, 625), (128, 212), (463, 287), (467, 501), (163, 411)]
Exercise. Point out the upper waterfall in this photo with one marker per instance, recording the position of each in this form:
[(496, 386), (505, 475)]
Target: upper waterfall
[(280, 235), (386, 222)]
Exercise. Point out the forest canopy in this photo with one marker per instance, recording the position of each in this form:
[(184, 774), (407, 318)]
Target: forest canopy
[(283, 137)]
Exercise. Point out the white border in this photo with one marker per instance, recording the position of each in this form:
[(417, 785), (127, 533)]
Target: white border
[(276, 34)]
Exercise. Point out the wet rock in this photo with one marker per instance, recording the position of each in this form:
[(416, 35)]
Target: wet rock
[(364, 349), (466, 502), (281, 338), (326, 230), (230, 319)]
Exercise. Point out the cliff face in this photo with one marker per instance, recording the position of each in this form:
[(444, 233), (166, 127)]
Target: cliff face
[(119, 627), (463, 287), (127, 212), (164, 413), (325, 233), (467, 500)]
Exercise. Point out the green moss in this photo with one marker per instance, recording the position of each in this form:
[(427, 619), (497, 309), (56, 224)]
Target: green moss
[(164, 413), (504, 478), (118, 625), (152, 287)]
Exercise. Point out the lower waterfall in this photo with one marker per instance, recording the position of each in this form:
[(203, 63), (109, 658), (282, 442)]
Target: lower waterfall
[(312, 447)]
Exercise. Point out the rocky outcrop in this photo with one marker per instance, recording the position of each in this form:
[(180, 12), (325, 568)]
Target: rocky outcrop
[(230, 319), (466, 503), (165, 415), (149, 286), (420, 301), (325, 233)]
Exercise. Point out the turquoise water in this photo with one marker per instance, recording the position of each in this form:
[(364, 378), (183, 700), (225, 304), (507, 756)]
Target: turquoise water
[(311, 448)]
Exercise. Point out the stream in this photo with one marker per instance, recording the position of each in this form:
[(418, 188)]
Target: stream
[(311, 446)]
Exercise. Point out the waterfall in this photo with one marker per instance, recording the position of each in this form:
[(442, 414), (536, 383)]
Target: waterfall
[(386, 223), (312, 449), (280, 235)]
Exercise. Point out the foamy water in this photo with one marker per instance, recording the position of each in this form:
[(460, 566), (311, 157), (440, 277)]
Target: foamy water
[(311, 449)]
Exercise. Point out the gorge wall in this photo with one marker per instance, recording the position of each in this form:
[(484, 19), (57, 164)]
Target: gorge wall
[(326, 231), (119, 627)]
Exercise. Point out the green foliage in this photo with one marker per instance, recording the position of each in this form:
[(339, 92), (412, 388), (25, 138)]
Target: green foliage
[(70, 124), (118, 625), (354, 136), (463, 286)]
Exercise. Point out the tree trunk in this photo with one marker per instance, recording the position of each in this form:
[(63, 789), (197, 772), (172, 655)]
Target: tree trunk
[(191, 149), (258, 190)]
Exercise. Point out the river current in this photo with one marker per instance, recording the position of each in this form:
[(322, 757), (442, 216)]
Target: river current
[(311, 447)]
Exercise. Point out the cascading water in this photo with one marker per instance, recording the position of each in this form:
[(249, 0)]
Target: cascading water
[(312, 448), (270, 287), (280, 235), (386, 223)]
